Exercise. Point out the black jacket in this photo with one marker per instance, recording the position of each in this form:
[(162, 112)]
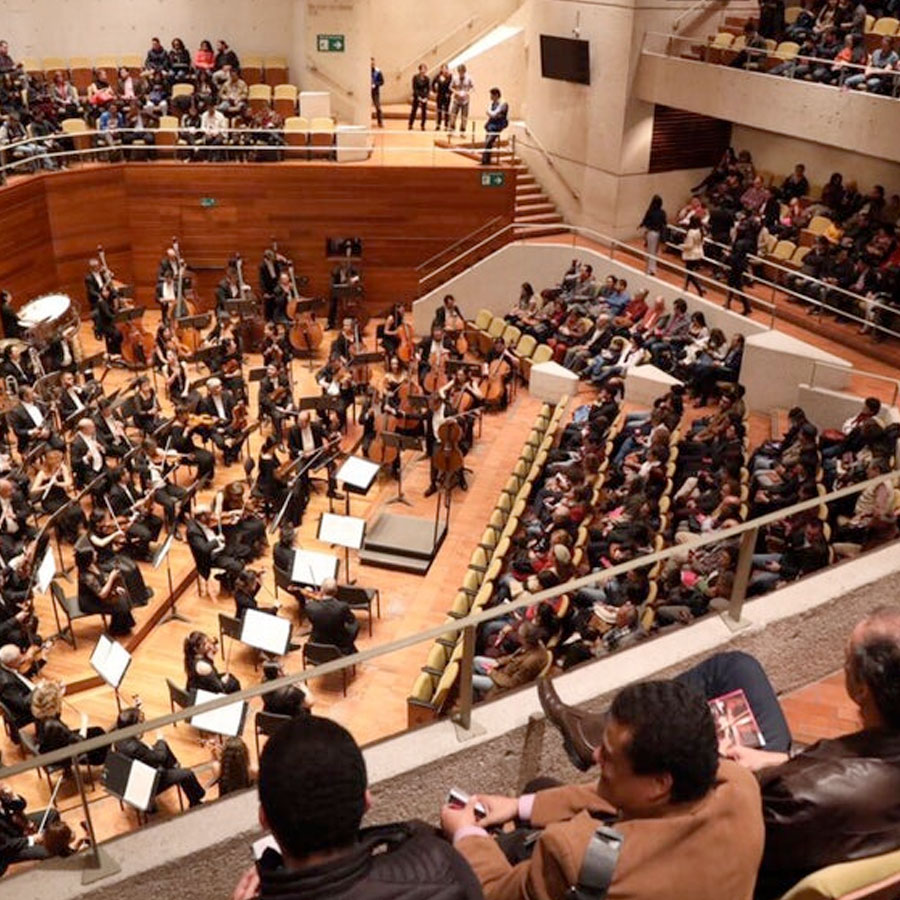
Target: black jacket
[(202, 549), (332, 622), (415, 865), (836, 801)]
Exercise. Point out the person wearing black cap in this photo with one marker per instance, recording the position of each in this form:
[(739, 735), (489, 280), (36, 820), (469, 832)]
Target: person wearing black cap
[(313, 795)]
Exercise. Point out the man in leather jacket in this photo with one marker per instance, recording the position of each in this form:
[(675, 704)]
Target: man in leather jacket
[(313, 795)]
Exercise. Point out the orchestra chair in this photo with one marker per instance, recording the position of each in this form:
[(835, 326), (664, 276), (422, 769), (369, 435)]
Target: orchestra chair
[(252, 69), (53, 64), (77, 130), (285, 100), (30, 745), (321, 137), (872, 878), (361, 598), (167, 134), (115, 759), (10, 725), (296, 137), (266, 724), (315, 654), (276, 70), (72, 611), (177, 697), (259, 97)]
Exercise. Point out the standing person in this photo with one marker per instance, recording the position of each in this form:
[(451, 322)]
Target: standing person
[(692, 254), (654, 224), (421, 87), (497, 120), (738, 260), (441, 85), (377, 84), (461, 88)]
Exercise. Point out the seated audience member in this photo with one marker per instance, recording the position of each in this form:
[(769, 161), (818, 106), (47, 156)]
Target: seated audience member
[(313, 795), (159, 757), (796, 185), (832, 802), (680, 812), (754, 48), (494, 676), (878, 77)]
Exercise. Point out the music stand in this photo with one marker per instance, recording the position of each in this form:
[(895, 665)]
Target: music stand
[(256, 374), (240, 308), (312, 568), (131, 780), (171, 614), (343, 531), (203, 355), (357, 474), (227, 720), (91, 361), (401, 442), (110, 660), (126, 315), (265, 632), (318, 403)]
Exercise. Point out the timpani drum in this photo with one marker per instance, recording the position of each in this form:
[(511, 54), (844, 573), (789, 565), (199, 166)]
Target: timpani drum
[(45, 318)]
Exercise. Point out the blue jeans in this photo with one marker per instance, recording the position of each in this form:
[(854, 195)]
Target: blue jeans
[(726, 672)]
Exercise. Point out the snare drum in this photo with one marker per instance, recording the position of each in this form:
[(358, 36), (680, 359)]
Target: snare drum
[(45, 317)]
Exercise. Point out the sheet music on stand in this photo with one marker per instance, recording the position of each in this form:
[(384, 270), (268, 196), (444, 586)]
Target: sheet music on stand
[(266, 632), (345, 531), (358, 474), (130, 779), (45, 572), (163, 551), (227, 720), (313, 568), (110, 660)]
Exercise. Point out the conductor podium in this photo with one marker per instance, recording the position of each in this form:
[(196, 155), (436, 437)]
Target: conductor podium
[(403, 543)]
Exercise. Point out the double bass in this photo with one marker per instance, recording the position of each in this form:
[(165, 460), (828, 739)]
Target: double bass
[(306, 333), (252, 328), (189, 337), (137, 343)]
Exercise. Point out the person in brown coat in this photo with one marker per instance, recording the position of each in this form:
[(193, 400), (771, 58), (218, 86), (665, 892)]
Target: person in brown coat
[(690, 824), (495, 676)]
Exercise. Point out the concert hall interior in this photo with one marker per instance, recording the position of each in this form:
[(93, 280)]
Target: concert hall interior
[(382, 384)]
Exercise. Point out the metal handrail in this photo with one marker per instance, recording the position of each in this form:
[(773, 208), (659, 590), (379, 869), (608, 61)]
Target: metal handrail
[(796, 273), (470, 621), (433, 47), (457, 243), (324, 76), (695, 7), (612, 243), (765, 53), (548, 158)]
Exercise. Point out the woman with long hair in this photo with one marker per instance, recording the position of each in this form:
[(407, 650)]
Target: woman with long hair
[(654, 224), (692, 254)]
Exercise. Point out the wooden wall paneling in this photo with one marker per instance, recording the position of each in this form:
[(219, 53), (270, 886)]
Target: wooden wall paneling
[(27, 264), (403, 215), (88, 207), (669, 147)]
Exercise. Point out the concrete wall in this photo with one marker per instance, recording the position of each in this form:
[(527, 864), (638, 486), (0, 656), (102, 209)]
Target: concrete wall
[(779, 153), (93, 27), (797, 633), (862, 123)]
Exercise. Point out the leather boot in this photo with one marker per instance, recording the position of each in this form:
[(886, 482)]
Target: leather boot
[(582, 732)]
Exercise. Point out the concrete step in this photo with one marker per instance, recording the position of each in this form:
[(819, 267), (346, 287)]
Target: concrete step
[(549, 231), (531, 195)]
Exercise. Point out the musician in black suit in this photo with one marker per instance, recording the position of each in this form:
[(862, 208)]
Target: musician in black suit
[(93, 282), (169, 265), (14, 528), (16, 365), (31, 421), (160, 757), (332, 620), (220, 404), (210, 549), (102, 594), (281, 296), (269, 270), (342, 345), (15, 689), (144, 525), (72, 397), (432, 349), (104, 319), (227, 289), (343, 276), (88, 454), (12, 328), (111, 429), (16, 845), (304, 437), (181, 438), (445, 311)]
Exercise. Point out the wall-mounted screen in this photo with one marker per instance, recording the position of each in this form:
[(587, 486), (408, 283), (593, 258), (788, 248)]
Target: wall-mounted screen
[(565, 59)]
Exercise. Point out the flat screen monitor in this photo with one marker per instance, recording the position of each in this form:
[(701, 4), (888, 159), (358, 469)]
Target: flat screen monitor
[(565, 59)]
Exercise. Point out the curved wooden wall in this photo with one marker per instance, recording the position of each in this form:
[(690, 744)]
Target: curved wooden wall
[(51, 224)]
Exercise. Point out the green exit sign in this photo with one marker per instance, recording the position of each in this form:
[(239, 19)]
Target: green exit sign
[(330, 43), (207, 202), (493, 179)]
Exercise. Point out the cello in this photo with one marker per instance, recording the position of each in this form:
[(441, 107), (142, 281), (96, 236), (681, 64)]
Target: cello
[(498, 373)]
